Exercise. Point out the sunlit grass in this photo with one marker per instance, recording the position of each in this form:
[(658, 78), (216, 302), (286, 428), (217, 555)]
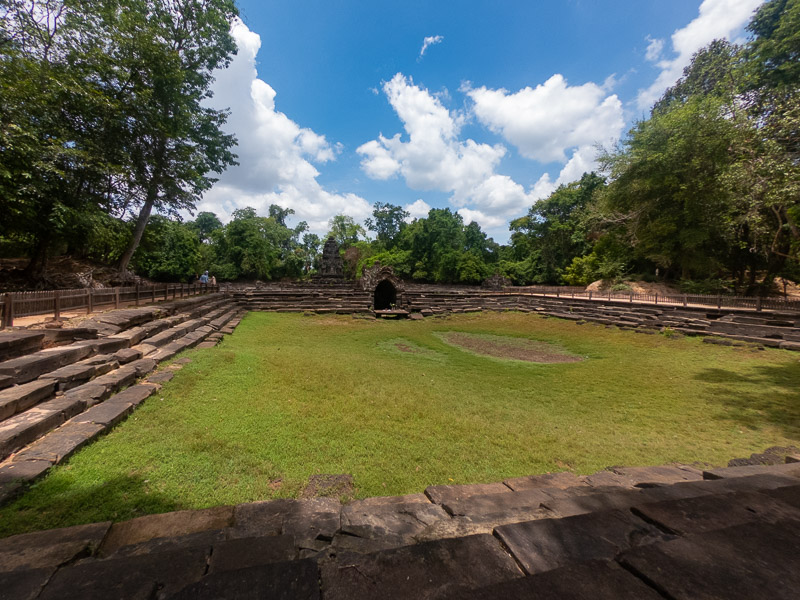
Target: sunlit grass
[(392, 404)]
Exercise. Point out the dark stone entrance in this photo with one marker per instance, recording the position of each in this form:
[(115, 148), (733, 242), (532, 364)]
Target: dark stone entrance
[(385, 296)]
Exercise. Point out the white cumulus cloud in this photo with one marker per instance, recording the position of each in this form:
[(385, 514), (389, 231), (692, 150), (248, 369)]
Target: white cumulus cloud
[(717, 19), (429, 41), (418, 209), (655, 46), (552, 119), (276, 155), (433, 157)]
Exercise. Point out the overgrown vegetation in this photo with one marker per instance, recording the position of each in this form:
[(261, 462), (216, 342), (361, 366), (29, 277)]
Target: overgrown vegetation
[(391, 403), (100, 122)]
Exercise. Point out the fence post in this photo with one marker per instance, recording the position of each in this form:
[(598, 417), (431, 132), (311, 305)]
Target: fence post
[(182, 290), (719, 302), (557, 292), (90, 301), (758, 303), (685, 300), (56, 305), (631, 298), (137, 294), (590, 294), (116, 297), (656, 299), (8, 310)]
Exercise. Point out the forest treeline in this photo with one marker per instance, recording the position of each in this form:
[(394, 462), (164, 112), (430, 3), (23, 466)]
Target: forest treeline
[(704, 191)]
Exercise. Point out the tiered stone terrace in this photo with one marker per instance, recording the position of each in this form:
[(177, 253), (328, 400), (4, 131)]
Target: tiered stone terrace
[(638, 532), (635, 533), (61, 388), (767, 328)]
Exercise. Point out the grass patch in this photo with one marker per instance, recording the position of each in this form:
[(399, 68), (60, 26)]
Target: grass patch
[(287, 396)]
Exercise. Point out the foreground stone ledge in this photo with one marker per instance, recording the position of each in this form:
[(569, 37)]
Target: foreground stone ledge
[(598, 580), (551, 543), (50, 548), (738, 563), (163, 525)]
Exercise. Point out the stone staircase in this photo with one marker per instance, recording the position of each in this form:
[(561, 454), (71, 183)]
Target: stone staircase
[(60, 389), (341, 298), (649, 532)]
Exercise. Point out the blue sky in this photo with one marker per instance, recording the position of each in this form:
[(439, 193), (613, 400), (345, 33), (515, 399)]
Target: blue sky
[(336, 106)]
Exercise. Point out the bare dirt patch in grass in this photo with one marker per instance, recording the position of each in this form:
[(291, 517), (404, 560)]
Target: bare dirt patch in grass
[(509, 347)]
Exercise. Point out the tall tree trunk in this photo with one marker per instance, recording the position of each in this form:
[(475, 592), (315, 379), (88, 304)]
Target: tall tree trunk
[(141, 223)]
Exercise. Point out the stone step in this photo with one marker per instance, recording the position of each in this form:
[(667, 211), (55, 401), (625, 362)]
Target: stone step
[(19, 343), (24, 428)]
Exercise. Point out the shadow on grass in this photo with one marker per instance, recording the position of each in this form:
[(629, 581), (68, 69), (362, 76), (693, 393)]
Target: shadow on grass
[(56, 501), (764, 395)]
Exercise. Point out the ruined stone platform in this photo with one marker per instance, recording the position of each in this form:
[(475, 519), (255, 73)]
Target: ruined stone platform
[(61, 389), (640, 533)]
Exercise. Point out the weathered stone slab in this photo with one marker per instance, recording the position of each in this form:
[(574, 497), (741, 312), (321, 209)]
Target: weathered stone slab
[(396, 523), (608, 478), (304, 519), (251, 552), (577, 505), (143, 366), (206, 344), (751, 483), (659, 475), (163, 525), (426, 570), (788, 495), (76, 374), (502, 508), (786, 469), (440, 494), (22, 429), (29, 367), (21, 397), (113, 380), (707, 513), (14, 475), (132, 578), (135, 395), (106, 414), (755, 560), (127, 355), (89, 394), (6, 381), (597, 579), (18, 343), (551, 543), (58, 445), (561, 480), (50, 548), (24, 585), (161, 377), (201, 539), (295, 580)]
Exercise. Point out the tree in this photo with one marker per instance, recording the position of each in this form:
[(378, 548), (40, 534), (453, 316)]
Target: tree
[(555, 231), (205, 224), (164, 53), (387, 222), (345, 231)]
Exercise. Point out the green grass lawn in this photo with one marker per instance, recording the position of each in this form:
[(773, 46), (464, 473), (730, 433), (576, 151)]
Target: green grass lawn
[(399, 408)]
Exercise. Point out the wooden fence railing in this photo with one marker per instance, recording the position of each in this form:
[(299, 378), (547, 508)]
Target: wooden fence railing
[(55, 302), (756, 303)]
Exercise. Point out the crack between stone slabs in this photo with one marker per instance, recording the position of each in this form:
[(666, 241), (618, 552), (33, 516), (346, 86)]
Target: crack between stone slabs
[(657, 524), (510, 553), (646, 580)]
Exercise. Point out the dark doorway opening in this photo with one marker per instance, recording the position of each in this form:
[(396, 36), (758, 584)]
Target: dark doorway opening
[(385, 296)]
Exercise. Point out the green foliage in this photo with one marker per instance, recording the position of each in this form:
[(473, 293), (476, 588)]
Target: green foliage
[(669, 400), (345, 231), (169, 251), (387, 222)]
